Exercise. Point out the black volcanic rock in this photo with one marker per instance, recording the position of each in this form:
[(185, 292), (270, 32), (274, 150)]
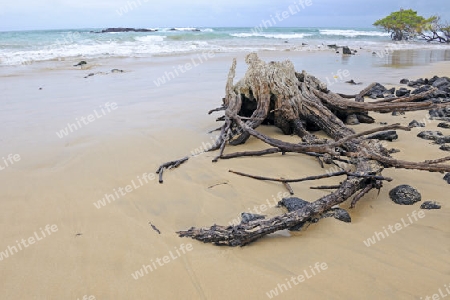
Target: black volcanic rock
[(430, 205), (294, 203), (346, 50), (447, 178), (443, 140), (415, 123), (430, 135), (405, 195), (402, 92), (384, 135), (377, 91), (441, 82), (445, 148), (444, 125), (108, 30)]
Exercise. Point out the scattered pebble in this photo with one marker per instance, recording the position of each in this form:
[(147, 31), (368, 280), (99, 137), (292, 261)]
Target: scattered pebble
[(415, 123), (447, 178), (445, 148), (430, 135), (430, 205), (81, 63), (404, 81), (444, 125)]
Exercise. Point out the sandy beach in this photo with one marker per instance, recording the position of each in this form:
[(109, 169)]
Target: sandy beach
[(81, 141)]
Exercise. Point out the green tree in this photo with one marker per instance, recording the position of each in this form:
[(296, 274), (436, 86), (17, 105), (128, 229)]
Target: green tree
[(403, 24)]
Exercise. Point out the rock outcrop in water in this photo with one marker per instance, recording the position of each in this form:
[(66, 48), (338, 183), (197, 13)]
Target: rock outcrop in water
[(119, 29)]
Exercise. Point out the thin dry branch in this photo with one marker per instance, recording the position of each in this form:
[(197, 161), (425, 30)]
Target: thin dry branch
[(250, 153), (170, 165), (328, 175)]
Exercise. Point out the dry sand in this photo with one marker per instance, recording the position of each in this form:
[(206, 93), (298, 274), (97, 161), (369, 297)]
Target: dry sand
[(94, 252)]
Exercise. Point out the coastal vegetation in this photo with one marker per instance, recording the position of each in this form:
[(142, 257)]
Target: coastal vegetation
[(406, 24)]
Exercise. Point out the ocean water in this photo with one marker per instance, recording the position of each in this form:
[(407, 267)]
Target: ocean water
[(27, 47)]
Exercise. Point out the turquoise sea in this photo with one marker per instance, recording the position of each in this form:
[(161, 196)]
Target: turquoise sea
[(26, 47)]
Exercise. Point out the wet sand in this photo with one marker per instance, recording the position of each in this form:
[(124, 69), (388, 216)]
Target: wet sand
[(96, 249)]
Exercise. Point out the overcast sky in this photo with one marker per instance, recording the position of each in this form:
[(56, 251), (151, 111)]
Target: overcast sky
[(74, 14)]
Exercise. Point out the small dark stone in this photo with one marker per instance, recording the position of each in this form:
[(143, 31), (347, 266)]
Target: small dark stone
[(443, 112), (342, 215), (415, 123), (377, 91), (420, 81), (402, 92), (444, 125), (430, 205), (383, 123), (447, 178), (81, 63), (445, 148), (404, 81), (293, 203), (391, 91), (443, 140), (248, 217), (389, 135), (430, 135), (353, 82), (346, 50), (365, 118), (411, 83), (393, 150), (116, 71), (405, 195)]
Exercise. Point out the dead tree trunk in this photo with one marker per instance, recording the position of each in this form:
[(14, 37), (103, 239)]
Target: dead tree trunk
[(275, 93)]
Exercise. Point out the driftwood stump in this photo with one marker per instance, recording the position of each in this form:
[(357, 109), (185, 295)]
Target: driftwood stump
[(274, 93)]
